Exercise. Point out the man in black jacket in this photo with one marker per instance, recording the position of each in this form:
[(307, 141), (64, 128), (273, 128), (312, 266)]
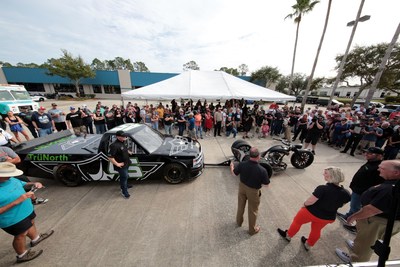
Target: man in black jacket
[(366, 177)]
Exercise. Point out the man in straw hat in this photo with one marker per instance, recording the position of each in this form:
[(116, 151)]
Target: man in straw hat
[(17, 214)]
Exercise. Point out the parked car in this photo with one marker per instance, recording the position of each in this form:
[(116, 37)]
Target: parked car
[(378, 105), (38, 98), (310, 99), (57, 95), (325, 101)]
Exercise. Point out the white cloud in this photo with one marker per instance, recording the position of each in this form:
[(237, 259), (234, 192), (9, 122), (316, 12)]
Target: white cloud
[(167, 34)]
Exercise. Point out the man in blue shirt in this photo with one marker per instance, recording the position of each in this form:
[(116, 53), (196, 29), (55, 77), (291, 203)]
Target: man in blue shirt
[(17, 214), (190, 123)]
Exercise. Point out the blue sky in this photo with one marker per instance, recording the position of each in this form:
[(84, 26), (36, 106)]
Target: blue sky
[(167, 34)]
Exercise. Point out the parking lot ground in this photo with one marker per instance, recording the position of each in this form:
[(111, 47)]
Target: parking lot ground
[(188, 224)]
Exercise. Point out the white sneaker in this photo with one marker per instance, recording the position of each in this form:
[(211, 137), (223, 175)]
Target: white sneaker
[(343, 255), (350, 243)]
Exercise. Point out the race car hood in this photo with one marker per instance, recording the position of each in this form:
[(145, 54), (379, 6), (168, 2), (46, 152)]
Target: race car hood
[(179, 146)]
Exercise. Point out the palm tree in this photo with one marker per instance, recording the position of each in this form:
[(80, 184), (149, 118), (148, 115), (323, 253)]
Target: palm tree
[(301, 8), (310, 78), (382, 66)]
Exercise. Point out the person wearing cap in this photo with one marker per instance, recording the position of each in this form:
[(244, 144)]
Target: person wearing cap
[(17, 214), (372, 218), (366, 177), (75, 122), (119, 157), (191, 126), (59, 117), (43, 122)]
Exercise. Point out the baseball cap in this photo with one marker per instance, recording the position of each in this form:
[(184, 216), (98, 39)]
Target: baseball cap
[(374, 150), (71, 108), (42, 108), (121, 133)]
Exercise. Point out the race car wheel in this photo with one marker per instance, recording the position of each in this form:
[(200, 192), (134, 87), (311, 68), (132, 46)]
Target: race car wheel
[(174, 173), (67, 175)]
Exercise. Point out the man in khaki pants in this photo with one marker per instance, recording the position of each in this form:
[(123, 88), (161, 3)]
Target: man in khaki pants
[(252, 177), (373, 216)]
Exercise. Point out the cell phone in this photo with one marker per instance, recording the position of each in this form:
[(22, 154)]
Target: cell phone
[(34, 189)]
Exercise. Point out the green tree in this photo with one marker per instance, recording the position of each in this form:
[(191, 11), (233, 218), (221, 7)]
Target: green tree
[(243, 69), (73, 68), (97, 64), (268, 75), (231, 71), (5, 64), (299, 83), (283, 84), (301, 8), (363, 63), (139, 66), (29, 65), (191, 65)]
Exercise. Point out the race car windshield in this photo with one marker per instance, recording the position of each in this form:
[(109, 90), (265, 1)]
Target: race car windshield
[(149, 139)]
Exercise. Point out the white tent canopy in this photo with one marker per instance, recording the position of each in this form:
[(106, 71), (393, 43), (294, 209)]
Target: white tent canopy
[(210, 85)]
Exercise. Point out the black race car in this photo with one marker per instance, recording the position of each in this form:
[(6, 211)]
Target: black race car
[(73, 160)]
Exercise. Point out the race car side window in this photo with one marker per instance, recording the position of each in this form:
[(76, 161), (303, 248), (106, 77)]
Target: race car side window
[(132, 146)]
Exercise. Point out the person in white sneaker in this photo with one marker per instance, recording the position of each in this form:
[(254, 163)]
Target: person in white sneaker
[(17, 214), (373, 216)]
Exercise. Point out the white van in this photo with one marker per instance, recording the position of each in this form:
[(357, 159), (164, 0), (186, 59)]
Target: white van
[(14, 97)]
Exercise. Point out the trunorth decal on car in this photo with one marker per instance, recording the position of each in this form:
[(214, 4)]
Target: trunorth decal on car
[(91, 169)]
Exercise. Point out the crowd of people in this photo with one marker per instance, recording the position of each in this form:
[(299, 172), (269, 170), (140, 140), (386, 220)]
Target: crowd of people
[(342, 128)]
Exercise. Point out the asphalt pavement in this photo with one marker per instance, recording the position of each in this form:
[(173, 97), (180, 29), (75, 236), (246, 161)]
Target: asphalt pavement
[(188, 224)]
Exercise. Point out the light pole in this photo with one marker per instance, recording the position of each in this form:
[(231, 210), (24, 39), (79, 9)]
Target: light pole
[(353, 23)]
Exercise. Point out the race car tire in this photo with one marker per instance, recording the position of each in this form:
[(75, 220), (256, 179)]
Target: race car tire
[(68, 175), (174, 173)]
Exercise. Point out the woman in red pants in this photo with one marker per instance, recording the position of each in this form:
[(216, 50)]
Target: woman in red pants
[(320, 208)]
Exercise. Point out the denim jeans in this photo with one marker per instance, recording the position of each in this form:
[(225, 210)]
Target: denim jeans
[(100, 128), (168, 129), (123, 179), (199, 129), (44, 132), (355, 204), (181, 128), (234, 131)]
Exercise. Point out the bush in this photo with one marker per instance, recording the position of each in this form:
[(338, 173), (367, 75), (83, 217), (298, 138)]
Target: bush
[(392, 99)]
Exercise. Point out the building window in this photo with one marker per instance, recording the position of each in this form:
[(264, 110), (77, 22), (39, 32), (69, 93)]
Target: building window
[(348, 94), (112, 89), (97, 89), (337, 93), (64, 87), (33, 87)]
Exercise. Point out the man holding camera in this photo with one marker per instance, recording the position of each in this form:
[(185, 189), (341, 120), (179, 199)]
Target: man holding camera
[(315, 129)]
